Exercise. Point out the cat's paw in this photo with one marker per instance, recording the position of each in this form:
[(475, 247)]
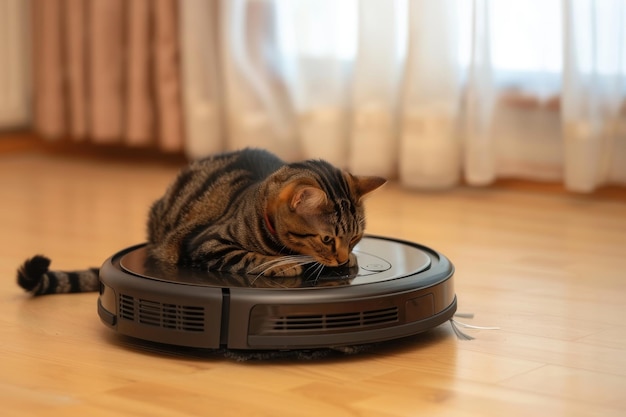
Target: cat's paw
[(288, 270), (352, 260)]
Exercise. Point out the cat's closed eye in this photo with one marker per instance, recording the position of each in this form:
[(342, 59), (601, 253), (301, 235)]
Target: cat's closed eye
[(302, 235)]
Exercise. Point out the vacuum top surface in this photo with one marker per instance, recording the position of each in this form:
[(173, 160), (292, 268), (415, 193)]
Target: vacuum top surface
[(379, 260)]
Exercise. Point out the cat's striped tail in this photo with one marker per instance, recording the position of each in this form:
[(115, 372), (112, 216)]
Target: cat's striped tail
[(35, 277)]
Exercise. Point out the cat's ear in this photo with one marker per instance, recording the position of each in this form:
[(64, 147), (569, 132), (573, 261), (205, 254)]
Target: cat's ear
[(365, 185), (307, 199)]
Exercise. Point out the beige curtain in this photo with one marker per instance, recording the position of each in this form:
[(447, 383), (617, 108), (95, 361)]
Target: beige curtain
[(108, 71), (14, 64)]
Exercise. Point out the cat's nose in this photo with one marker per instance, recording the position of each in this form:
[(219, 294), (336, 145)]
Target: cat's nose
[(343, 255)]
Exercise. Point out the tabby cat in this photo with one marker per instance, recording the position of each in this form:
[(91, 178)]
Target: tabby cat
[(243, 212)]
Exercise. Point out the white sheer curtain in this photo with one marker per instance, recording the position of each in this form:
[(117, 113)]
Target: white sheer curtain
[(431, 97), (432, 92), (593, 94)]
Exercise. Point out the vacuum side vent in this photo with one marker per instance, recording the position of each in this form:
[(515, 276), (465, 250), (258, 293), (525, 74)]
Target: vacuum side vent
[(360, 319), (127, 307), (168, 316)]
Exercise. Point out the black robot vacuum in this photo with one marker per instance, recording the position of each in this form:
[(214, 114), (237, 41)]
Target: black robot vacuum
[(399, 289)]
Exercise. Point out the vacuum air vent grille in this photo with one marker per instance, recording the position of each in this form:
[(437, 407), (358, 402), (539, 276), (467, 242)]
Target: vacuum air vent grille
[(168, 316), (334, 321)]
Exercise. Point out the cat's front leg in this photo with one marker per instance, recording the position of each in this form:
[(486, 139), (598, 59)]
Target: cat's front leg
[(240, 261), (275, 266)]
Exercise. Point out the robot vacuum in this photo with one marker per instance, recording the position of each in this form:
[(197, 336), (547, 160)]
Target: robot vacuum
[(398, 289)]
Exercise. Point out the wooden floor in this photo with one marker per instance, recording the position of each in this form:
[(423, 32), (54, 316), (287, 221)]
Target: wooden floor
[(549, 269)]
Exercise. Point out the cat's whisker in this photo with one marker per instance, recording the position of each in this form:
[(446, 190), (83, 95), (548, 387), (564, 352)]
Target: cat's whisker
[(313, 271), (319, 272), (313, 266)]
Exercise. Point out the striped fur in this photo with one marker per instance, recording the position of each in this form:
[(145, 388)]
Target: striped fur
[(246, 212), (35, 277), (249, 212)]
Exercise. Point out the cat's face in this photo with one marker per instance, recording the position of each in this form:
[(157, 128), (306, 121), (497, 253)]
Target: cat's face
[(327, 227)]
